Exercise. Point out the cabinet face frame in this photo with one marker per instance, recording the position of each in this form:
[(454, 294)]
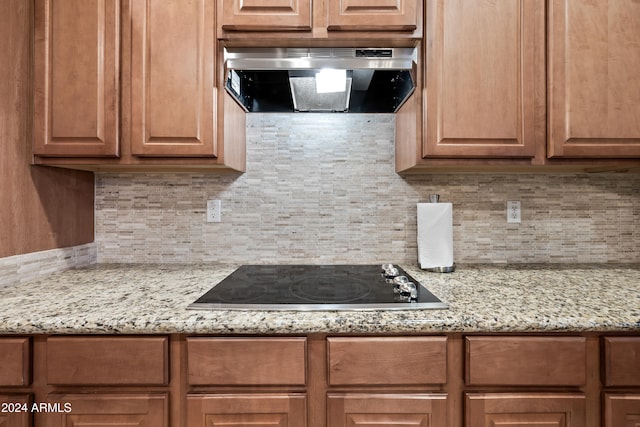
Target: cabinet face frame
[(173, 92), (594, 88), (76, 78), (463, 116)]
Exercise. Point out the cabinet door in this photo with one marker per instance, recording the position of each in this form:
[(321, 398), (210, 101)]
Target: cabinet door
[(76, 72), (621, 410), (172, 78), (373, 15), (485, 93), (594, 87), (391, 410), (265, 15), (16, 410), (237, 410), (106, 410), (504, 409)]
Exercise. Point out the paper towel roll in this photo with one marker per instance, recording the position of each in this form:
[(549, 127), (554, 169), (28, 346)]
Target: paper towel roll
[(435, 235)]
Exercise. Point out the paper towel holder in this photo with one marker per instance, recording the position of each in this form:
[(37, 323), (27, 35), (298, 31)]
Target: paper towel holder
[(450, 269), (434, 198)]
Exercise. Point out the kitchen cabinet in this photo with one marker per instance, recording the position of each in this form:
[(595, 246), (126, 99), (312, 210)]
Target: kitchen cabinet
[(594, 84), (622, 381), (15, 362), (310, 20), (265, 15), (315, 380), (553, 410), (393, 410), (493, 96), (140, 94), (76, 78), (621, 410), (15, 410), (106, 410), (484, 79), (282, 410), (76, 365)]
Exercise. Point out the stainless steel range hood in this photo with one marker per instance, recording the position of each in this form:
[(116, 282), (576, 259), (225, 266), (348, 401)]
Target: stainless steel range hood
[(365, 80)]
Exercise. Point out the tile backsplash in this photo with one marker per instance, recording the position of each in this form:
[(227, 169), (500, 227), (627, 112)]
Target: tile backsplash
[(321, 188)]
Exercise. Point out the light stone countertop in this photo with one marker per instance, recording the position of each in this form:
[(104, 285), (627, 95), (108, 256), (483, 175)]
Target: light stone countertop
[(152, 299)]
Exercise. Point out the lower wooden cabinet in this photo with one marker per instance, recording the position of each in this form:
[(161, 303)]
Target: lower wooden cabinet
[(389, 410), (15, 410), (236, 410), (108, 410), (621, 410), (525, 409)]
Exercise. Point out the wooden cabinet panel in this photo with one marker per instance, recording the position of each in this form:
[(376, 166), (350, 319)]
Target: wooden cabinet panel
[(107, 360), (15, 362), (485, 78), (173, 89), (17, 412), (373, 15), (387, 360), (390, 410), (513, 410), (246, 361), (76, 81), (550, 361), (621, 410), (622, 361), (239, 410), (109, 410), (265, 15), (594, 84)]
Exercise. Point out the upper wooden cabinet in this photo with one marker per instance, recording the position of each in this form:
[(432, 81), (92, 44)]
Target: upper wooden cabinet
[(173, 91), (265, 15), (484, 78), (132, 84), (594, 82), (373, 15), (320, 19), (76, 87)]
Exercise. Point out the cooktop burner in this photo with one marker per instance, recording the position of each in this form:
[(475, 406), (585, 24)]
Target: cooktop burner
[(314, 287)]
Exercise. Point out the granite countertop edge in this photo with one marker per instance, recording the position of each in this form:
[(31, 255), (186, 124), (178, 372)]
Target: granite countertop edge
[(141, 299)]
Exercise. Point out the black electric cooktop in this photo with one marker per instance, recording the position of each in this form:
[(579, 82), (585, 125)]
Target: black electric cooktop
[(313, 287)]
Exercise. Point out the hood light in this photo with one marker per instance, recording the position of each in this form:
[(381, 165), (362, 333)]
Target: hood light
[(331, 81)]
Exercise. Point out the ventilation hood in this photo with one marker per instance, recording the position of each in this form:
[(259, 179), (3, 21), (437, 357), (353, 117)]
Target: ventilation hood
[(345, 80)]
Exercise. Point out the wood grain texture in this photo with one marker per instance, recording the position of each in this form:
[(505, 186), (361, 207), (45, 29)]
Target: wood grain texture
[(76, 84), (524, 409), (525, 361), (621, 361), (15, 418), (240, 410), (247, 361), (484, 79), (378, 409), (173, 51), (121, 360), (15, 362), (373, 15), (622, 409), (40, 208), (109, 410), (387, 360), (594, 83), (264, 15)]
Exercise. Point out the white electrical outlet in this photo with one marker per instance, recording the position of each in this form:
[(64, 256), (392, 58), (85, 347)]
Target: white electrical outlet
[(213, 211), (514, 214)]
